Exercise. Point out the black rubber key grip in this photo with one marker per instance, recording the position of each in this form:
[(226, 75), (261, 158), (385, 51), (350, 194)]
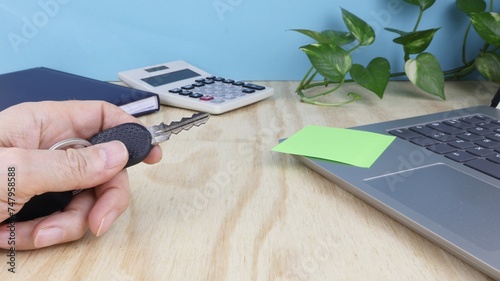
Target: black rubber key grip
[(136, 138)]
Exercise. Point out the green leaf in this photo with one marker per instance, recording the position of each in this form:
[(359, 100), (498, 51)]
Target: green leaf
[(423, 4), (488, 65), (374, 77), (417, 41), (487, 25), (331, 61), (360, 29), (338, 38), (471, 6), (425, 72)]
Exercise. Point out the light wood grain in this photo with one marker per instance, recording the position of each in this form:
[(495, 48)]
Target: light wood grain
[(222, 206)]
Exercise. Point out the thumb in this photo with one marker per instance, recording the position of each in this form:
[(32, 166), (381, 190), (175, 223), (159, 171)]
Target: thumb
[(41, 171)]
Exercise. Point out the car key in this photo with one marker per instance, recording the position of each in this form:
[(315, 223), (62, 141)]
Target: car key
[(139, 141)]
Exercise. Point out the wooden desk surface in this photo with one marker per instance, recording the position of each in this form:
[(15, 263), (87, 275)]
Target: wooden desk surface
[(222, 206)]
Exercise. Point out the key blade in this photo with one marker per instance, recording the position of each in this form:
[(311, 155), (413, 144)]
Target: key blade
[(162, 132)]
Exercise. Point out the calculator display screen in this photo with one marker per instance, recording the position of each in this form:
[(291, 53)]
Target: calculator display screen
[(170, 77)]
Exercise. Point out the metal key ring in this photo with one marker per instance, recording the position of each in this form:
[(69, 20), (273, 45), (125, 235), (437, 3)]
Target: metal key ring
[(68, 143)]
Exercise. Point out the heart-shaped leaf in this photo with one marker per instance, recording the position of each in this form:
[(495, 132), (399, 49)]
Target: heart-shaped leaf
[(487, 25), (338, 38), (423, 4), (359, 28), (488, 65), (425, 72), (417, 41), (374, 77), (471, 6), (331, 61)]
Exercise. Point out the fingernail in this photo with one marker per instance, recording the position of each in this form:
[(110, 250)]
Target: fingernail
[(48, 237), (114, 154), (106, 222)]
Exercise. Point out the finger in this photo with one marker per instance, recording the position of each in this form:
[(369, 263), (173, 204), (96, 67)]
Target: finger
[(154, 156), (45, 123), (112, 200), (58, 228), (40, 171)]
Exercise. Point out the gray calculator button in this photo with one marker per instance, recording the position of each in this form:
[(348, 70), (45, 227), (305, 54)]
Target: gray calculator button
[(217, 100)]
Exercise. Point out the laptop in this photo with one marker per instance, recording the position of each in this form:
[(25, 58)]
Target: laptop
[(440, 177)]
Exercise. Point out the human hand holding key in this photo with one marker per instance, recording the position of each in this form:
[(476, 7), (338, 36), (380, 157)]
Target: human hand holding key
[(27, 130)]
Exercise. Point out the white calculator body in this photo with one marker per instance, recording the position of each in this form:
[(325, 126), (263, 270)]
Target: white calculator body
[(181, 84)]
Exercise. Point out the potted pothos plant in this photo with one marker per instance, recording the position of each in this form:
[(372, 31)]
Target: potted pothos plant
[(331, 54)]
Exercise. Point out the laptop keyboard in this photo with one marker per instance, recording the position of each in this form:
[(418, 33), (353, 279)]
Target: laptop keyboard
[(472, 140)]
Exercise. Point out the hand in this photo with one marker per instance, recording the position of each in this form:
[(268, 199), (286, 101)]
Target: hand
[(26, 132)]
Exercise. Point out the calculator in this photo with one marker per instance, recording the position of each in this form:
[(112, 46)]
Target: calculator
[(183, 85)]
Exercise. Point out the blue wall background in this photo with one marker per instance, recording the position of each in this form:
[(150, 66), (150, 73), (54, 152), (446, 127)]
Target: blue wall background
[(240, 39)]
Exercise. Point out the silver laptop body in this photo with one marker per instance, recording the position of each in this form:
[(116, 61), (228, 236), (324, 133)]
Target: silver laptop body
[(455, 206)]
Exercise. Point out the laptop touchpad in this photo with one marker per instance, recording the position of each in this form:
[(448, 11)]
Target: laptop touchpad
[(460, 203)]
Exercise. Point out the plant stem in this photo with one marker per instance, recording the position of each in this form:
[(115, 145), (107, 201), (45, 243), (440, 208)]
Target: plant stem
[(421, 12), (301, 84), (464, 43)]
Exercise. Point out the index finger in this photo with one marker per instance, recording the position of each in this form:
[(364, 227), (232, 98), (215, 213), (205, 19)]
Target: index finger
[(45, 123)]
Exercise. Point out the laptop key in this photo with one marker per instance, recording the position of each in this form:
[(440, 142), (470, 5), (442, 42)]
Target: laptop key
[(424, 130), (460, 156), (480, 151), (461, 144), (494, 158), (442, 137), (473, 119), (487, 143), (485, 166), (495, 137), (424, 141), (441, 148), (469, 137), (404, 134), (489, 125), (459, 124), (445, 128), (479, 131)]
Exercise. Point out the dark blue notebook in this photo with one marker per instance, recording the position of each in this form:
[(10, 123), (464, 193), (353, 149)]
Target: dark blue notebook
[(41, 84)]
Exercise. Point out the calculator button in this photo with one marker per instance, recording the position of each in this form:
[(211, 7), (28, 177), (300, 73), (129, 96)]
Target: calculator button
[(211, 77), (185, 93), (200, 80), (188, 87), (217, 100), (248, 91), (195, 95), (175, 90), (198, 84), (208, 81), (238, 83), (228, 81), (253, 86), (206, 98), (218, 79)]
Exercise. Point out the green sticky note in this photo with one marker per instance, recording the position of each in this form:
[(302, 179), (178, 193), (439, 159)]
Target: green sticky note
[(353, 147)]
